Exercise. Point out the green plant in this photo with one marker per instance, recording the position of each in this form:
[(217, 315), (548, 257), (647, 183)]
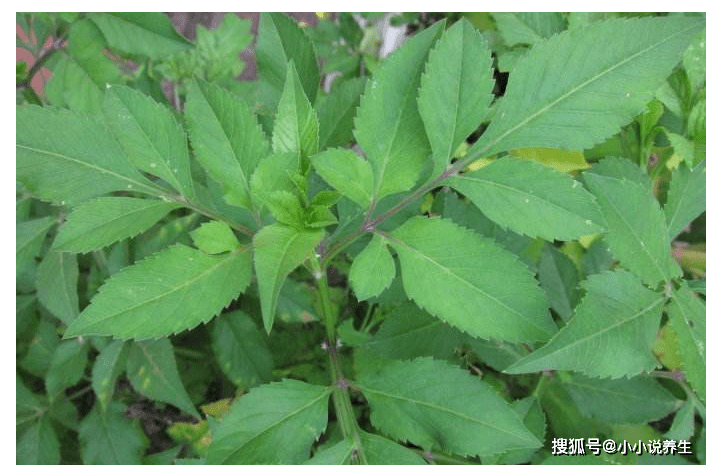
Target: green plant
[(393, 246)]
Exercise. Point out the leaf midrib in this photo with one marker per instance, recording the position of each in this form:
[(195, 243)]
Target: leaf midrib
[(157, 370)]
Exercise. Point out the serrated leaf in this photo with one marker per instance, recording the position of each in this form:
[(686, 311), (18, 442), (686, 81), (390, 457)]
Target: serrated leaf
[(41, 348), (57, 280), (532, 199), (273, 423), (152, 371), (286, 208), (530, 411), (347, 172), (29, 236), (71, 87), (636, 229), (610, 335), (214, 237), (110, 438), (279, 41), (372, 269), (28, 407), (275, 173), (559, 278), (686, 198), (147, 34), (455, 90), (109, 364), (66, 157), (336, 113), (528, 28), (684, 423), (433, 404), (602, 76), (39, 445), (150, 135), (295, 128), (173, 290), (621, 401), (100, 222), (241, 350), (339, 454), (278, 250), (387, 125), (380, 451), (66, 367), (687, 314), (464, 279), (226, 138)]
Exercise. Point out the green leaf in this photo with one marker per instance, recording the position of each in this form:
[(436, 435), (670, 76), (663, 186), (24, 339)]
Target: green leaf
[(688, 319), (372, 269), (110, 438), (66, 157), (433, 404), (278, 250), (275, 173), (532, 199), (336, 113), (528, 28), (286, 208), (152, 371), (295, 128), (280, 40), (381, 451), (559, 278), (694, 62), (601, 76), (637, 233), (100, 222), (339, 454), (388, 126), (620, 401), (347, 172), (241, 350), (464, 279), (28, 407), (66, 367), (109, 365), (610, 335), (153, 140), (29, 236), (57, 280), (455, 90), (274, 423), (686, 198), (148, 34), (71, 87), (226, 138), (173, 290), (41, 348), (39, 445), (214, 237)]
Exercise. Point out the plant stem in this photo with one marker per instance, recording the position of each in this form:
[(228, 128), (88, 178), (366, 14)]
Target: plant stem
[(39, 63)]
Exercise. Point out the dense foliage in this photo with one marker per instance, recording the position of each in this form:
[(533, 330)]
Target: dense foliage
[(487, 243)]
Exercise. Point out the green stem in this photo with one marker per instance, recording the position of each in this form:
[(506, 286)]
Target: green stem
[(443, 459)]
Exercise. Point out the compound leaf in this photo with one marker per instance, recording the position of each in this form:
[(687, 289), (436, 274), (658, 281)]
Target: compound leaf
[(433, 404), (173, 290), (387, 125), (532, 199), (581, 86), (279, 41), (147, 34), (637, 233), (57, 280), (278, 250), (465, 280), (610, 335), (152, 371), (101, 222), (621, 401), (226, 137), (455, 90), (153, 140), (64, 157), (275, 423), (108, 437), (372, 269), (295, 128), (241, 350), (687, 314), (347, 172), (686, 198)]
